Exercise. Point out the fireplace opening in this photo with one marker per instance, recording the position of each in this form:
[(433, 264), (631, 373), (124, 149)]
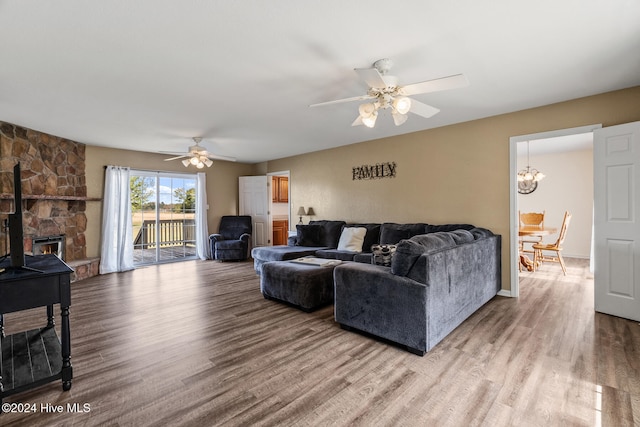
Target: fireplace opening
[(49, 245)]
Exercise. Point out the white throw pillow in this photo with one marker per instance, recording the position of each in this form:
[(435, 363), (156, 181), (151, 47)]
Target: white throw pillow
[(352, 239)]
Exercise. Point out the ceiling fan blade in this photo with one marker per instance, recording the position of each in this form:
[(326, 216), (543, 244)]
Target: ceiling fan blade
[(339, 101), (357, 122), (372, 77), (176, 158), (445, 83), (423, 110), (217, 157)]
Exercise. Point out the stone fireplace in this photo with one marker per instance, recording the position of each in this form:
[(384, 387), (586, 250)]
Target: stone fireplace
[(54, 190)]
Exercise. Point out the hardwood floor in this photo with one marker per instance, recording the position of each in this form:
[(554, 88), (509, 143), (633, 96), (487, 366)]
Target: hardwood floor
[(195, 343)]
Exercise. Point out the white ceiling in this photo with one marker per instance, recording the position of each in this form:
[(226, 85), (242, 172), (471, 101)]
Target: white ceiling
[(150, 74)]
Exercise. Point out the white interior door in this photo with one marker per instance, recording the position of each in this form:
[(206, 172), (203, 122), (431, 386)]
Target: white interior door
[(616, 152), (253, 201)]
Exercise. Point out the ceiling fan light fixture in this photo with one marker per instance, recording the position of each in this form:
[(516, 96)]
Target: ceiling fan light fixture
[(200, 165), (402, 105), (370, 121), (366, 110), (207, 162), (398, 118), (386, 92), (194, 160), (186, 162)]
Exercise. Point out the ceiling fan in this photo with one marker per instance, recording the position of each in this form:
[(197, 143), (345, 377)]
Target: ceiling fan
[(198, 156), (385, 92)]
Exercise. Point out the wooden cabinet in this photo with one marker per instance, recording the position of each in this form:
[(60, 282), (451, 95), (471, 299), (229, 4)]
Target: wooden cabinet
[(280, 232), (280, 189)]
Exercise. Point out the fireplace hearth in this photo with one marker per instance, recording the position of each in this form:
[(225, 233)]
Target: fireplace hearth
[(48, 245)]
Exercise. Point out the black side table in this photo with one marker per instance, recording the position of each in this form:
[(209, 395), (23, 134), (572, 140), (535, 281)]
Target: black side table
[(33, 358)]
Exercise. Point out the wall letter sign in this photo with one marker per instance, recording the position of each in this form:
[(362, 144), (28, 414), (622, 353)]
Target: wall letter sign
[(379, 170)]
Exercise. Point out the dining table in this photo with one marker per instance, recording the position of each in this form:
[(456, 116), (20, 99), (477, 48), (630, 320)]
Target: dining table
[(533, 230)]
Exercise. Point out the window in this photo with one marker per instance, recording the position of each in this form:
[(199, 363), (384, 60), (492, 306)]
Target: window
[(163, 207)]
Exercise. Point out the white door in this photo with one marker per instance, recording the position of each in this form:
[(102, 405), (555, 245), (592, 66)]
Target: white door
[(253, 201), (616, 152)]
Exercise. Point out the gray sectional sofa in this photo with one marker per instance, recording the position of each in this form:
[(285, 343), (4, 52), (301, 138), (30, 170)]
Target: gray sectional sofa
[(435, 282), (320, 239), (439, 276)]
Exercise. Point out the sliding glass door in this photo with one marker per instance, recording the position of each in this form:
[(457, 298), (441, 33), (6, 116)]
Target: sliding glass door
[(163, 215)]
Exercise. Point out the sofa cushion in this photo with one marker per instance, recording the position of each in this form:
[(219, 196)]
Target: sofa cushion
[(364, 257), (382, 254), (309, 235), (391, 233), (336, 254), (351, 239), (462, 236), (430, 228), (408, 251), (371, 238), (480, 233), (331, 232), (282, 253)]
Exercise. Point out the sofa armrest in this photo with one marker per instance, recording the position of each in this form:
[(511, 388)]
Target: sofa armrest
[(372, 299), (215, 238)]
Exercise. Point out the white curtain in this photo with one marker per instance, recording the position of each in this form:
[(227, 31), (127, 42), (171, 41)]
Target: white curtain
[(117, 232), (202, 230)]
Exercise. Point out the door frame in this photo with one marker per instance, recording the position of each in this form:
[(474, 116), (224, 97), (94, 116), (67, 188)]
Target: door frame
[(514, 292), (270, 202)]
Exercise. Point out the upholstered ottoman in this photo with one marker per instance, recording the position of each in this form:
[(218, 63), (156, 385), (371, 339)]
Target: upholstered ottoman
[(305, 286)]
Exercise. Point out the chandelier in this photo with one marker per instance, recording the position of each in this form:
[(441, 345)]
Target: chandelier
[(529, 174)]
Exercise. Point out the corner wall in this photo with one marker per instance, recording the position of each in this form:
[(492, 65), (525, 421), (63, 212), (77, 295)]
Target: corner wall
[(457, 173)]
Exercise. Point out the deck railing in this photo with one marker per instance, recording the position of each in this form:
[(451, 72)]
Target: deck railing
[(170, 232)]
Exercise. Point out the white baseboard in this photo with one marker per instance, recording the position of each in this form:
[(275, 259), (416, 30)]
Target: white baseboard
[(504, 293)]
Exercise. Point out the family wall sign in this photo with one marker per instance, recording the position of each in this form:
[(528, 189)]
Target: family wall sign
[(379, 170)]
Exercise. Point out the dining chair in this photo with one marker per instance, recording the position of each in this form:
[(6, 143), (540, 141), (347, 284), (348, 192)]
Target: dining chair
[(539, 248), (530, 219)]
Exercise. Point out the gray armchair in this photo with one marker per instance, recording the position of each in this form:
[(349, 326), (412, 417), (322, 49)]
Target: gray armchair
[(232, 240)]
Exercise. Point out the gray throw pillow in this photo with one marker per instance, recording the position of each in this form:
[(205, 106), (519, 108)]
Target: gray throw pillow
[(309, 235)]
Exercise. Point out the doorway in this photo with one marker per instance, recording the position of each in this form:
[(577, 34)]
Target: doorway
[(279, 207), (163, 210), (264, 201), (541, 200)]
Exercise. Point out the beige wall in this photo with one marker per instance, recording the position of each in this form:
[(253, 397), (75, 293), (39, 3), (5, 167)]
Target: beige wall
[(457, 173), (568, 186), (222, 185)]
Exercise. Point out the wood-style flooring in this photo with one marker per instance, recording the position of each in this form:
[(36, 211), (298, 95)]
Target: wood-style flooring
[(195, 343)]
